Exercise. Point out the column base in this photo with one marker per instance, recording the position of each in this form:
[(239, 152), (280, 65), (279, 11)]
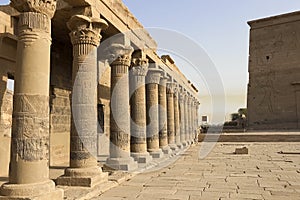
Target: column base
[(180, 146), (124, 164), (184, 144), (166, 150), (142, 157), (157, 154), (37, 191), (83, 177), (173, 147)]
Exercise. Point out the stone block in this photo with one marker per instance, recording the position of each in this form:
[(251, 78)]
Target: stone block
[(124, 164), (242, 150), (4, 155), (157, 154), (82, 181), (59, 149), (142, 157)]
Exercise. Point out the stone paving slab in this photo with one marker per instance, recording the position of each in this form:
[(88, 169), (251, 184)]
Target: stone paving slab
[(262, 174)]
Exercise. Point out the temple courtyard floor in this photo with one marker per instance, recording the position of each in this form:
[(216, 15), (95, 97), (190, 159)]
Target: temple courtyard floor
[(270, 170)]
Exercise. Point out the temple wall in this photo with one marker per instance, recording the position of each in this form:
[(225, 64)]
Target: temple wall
[(60, 109), (274, 71), (7, 67)]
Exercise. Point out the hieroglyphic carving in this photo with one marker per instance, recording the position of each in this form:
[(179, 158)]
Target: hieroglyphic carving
[(85, 37), (120, 139), (30, 130)]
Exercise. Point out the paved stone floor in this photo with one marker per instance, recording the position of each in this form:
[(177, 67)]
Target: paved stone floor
[(263, 174)]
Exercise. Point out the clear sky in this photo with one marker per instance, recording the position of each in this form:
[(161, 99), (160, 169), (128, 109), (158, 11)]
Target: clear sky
[(220, 28)]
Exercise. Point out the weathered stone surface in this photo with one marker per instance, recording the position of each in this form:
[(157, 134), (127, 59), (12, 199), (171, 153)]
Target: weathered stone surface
[(138, 142), (273, 89), (162, 100), (219, 175), (177, 118), (242, 150), (153, 79), (29, 175)]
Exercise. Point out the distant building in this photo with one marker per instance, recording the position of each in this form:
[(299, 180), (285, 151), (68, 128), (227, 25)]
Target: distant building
[(274, 73)]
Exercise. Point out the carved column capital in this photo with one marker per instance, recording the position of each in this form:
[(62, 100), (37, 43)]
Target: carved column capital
[(139, 67), (37, 6), (189, 99), (181, 98), (154, 76), (171, 88), (118, 54), (85, 30), (163, 81), (176, 90)]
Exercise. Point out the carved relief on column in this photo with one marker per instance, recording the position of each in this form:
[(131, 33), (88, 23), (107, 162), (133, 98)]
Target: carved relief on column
[(34, 20), (182, 117), (120, 60), (153, 79), (177, 116), (187, 118), (138, 71), (190, 122), (170, 114), (119, 57), (38, 6), (29, 170), (162, 90), (85, 37), (30, 131)]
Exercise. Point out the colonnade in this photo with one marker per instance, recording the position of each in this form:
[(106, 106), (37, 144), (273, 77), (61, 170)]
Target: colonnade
[(151, 114)]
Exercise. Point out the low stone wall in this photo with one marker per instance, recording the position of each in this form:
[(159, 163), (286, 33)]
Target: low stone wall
[(246, 137)]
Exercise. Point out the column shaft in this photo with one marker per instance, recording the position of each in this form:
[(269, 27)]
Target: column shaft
[(138, 140), (153, 79), (187, 119), (177, 119), (171, 116), (83, 151), (119, 109), (29, 172), (163, 134), (182, 119), (190, 119)]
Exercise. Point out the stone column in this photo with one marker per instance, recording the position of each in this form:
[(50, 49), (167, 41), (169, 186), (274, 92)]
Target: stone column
[(190, 100), (196, 118), (182, 119), (84, 170), (120, 60), (153, 79), (138, 71), (162, 98), (187, 119), (177, 118), (193, 118), (170, 116), (29, 172)]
